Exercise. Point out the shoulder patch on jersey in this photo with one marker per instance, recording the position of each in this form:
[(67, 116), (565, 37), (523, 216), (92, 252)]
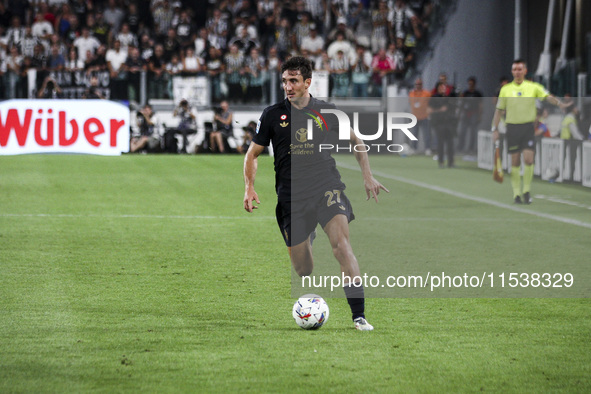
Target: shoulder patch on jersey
[(258, 126)]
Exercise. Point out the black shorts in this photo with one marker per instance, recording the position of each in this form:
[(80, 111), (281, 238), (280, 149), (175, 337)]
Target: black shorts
[(298, 219), (520, 137)]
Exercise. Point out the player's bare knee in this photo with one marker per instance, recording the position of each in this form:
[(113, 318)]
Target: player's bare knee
[(303, 268)]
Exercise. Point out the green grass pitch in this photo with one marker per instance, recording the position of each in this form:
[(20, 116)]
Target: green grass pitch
[(144, 274)]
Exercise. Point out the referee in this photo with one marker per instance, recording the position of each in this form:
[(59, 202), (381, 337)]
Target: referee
[(517, 100)]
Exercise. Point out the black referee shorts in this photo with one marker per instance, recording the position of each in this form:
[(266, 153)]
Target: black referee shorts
[(298, 219), (520, 137)]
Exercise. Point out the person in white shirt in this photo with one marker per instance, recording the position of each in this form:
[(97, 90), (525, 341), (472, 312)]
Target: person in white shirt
[(85, 43), (340, 44), (115, 59), (41, 28), (126, 37), (313, 43)]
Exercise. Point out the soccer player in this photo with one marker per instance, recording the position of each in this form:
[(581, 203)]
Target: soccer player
[(518, 101), (310, 191)]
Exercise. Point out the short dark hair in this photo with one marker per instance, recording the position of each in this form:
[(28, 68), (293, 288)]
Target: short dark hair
[(298, 63), (520, 61)]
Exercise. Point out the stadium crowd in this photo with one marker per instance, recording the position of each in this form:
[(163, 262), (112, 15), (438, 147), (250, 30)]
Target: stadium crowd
[(237, 44)]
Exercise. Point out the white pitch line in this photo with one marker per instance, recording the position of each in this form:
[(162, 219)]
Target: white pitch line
[(561, 201), (127, 216), (472, 198)]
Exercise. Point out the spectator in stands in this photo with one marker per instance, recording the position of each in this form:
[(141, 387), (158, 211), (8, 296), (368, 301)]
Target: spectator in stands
[(256, 73), (265, 7), (323, 63), (202, 43), (267, 28), (73, 63), (81, 8), (93, 90), (402, 57), (162, 14), (62, 48), (115, 60), (422, 10), (113, 16), (244, 42), (62, 20), (301, 29), (185, 30), (442, 119), (39, 61), (22, 89), (149, 136), (339, 72), (134, 19), (85, 43), (48, 13), (101, 28), (361, 72), (56, 61), (234, 68), (283, 42), (242, 23), (348, 9), (171, 44), (419, 105), (191, 63), (215, 67), (50, 89), (471, 107), (98, 62), (157, 75), (126, 37), (223, 128), (41, 28), (404, 20), (317, 11), (147, 47), (173, 68), (133, 66), (341, 44), (341, 28), (380, 34), (217, 27), (28, 42), (12, 77), (314, 43), (187, 123), (5, 15), (15, 32), (382, 66)]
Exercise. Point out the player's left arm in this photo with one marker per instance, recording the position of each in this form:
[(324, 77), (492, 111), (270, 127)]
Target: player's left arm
[(372, 185)]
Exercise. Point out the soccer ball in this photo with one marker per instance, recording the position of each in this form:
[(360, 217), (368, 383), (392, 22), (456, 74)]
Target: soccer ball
[(310, 311)]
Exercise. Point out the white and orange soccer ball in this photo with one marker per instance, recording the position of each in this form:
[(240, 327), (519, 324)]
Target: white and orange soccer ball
[(310, 312)]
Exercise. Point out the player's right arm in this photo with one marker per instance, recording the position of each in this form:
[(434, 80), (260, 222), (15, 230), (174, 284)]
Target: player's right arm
[(250, 170), (499, 111), (496, 121)]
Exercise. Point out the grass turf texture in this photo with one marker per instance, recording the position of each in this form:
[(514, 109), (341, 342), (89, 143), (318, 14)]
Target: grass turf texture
[(144, 273)]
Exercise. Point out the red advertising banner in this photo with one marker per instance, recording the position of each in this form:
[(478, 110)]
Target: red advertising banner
[(97, 127)]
